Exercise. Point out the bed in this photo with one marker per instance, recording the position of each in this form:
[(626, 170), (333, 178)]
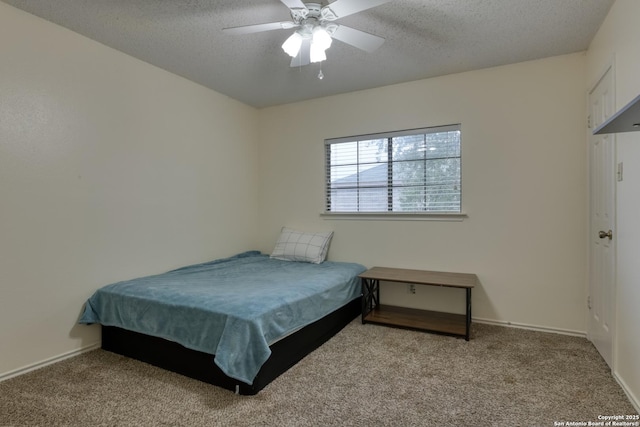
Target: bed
[(236, 322)]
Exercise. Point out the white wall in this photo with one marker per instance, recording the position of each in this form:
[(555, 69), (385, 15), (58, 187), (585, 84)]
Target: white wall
[(524, 186), (617, 41), (109, 169)]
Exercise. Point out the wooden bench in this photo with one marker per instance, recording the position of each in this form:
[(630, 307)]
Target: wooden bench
[(431, 321)]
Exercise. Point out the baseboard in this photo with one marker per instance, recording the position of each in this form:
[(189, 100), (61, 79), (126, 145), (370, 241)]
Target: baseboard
[(632, 398), (46, 362), (531, 327)]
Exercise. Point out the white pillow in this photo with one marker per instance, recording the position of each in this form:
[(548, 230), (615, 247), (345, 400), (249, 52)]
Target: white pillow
[(302, 246)]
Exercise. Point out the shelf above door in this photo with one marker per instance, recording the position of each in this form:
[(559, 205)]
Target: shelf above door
[(625, 120)]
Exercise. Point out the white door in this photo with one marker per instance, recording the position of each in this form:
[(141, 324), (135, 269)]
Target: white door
[(602, 221)]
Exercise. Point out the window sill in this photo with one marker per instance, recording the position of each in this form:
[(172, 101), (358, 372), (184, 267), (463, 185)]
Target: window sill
[(394, 216)]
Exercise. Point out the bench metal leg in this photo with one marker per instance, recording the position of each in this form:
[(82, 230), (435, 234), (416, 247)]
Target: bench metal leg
[(468, 330)]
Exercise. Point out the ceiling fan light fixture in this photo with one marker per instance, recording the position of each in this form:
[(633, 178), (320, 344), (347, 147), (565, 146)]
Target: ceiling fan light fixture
[(316, 53), (321, 38), (292, 45)]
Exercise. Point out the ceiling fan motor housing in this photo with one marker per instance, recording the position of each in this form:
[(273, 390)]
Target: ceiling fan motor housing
[(314, 15), (314, 9)]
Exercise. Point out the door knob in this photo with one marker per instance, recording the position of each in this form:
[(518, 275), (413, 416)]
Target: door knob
[(603, 234)]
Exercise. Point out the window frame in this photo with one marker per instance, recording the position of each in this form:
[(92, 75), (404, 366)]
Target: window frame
[(390, 214)]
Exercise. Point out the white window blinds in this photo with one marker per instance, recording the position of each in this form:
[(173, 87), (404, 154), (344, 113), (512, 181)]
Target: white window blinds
[(411, 171)]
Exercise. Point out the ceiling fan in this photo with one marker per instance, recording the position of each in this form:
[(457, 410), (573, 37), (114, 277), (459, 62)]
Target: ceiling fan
[(315, 29)]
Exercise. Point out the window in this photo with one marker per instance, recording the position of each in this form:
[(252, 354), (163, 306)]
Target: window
[(413, 171)]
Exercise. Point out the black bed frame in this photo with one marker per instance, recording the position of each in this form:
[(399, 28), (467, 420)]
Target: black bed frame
[(195, 364)]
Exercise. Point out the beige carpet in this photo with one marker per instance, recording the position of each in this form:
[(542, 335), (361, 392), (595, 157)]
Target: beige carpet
[(366, 375)]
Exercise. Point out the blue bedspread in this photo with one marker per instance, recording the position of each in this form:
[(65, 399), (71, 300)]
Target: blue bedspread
[(233, 307)]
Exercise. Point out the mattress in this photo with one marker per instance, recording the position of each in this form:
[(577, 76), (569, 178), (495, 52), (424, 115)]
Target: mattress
[(232, 308)]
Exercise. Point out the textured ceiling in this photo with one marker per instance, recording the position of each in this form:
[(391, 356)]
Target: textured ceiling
[(424, 38)]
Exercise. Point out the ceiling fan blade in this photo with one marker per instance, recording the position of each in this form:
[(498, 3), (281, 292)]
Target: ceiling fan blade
[(348, 7), (304, 56), (294, 4), (360, 39), (248, 29)]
